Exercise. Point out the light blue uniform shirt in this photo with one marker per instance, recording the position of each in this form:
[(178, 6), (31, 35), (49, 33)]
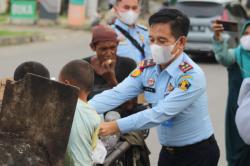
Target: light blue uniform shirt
[(181, 115), (126, 48)]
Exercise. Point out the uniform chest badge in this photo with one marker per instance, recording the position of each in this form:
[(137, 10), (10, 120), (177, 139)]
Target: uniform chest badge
[(141, 37), (184, 85), (151, 82), (170, 87), (136, 73)]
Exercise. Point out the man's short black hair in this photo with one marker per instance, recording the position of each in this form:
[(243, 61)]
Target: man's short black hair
[(80, 73), (30, 67), (179, 22)]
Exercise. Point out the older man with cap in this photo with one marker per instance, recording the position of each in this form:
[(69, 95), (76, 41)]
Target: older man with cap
[(109, 68)]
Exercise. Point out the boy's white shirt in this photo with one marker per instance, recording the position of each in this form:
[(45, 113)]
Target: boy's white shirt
[(99, 153)]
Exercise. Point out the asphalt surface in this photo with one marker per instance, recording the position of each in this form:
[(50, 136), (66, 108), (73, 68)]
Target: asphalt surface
[(74, 45)]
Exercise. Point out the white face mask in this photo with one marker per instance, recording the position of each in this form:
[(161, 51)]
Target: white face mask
[(245, 42), (129, 17), (162, 54)]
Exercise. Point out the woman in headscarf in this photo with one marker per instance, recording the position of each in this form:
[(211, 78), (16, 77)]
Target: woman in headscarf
[(237, 61)]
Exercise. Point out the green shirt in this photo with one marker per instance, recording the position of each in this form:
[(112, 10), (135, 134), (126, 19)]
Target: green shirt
[(81, 140), (227, 57)]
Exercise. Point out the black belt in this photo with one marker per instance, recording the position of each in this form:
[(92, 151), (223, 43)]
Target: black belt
[(170, 149)]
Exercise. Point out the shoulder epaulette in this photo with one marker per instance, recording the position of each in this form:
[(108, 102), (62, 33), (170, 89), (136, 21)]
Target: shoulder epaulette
[(146, 63), (142, 27), (184, 67)]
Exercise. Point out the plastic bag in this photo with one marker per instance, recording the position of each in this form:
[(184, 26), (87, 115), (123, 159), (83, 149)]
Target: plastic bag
[(99, 153)]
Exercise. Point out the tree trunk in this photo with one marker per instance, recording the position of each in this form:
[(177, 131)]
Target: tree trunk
[(145, 8)]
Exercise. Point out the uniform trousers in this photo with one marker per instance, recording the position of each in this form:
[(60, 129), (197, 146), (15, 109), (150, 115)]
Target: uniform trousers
[(204, 153)]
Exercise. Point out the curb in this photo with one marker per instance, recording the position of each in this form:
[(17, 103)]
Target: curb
[(18, 40)]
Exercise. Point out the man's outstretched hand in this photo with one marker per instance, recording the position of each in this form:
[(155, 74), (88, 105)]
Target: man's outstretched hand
[(108, 128)]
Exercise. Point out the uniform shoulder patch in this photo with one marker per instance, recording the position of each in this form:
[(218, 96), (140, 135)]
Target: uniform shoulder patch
[(136, 73), (184, 85), (142, 27), (184, 67)]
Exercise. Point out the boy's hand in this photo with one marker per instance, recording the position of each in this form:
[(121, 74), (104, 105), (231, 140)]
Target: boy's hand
[(108, 128)]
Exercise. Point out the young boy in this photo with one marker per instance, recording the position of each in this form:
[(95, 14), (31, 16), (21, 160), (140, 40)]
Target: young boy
[(21, 70), (31, 67), (84, 131)]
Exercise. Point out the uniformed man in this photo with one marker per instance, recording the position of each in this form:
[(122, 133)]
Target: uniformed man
[(134, 40), (176, 88)]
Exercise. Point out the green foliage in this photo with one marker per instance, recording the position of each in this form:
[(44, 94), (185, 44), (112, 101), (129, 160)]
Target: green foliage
[(4, 33), (3, 18)]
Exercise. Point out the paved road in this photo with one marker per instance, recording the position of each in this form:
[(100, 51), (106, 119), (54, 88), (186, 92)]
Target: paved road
[(54, 54)]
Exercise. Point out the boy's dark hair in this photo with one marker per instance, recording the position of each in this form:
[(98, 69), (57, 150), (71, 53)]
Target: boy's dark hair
[(80, 73), (179, 22), (30, 67)]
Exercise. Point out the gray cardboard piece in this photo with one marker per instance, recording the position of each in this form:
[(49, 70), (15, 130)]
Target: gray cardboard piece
[(38, 112)]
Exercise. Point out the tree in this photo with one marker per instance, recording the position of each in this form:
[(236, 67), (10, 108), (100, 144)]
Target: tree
[(145, 7)]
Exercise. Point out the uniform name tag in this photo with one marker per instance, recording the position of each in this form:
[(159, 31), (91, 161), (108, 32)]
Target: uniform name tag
[(148, 89)]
